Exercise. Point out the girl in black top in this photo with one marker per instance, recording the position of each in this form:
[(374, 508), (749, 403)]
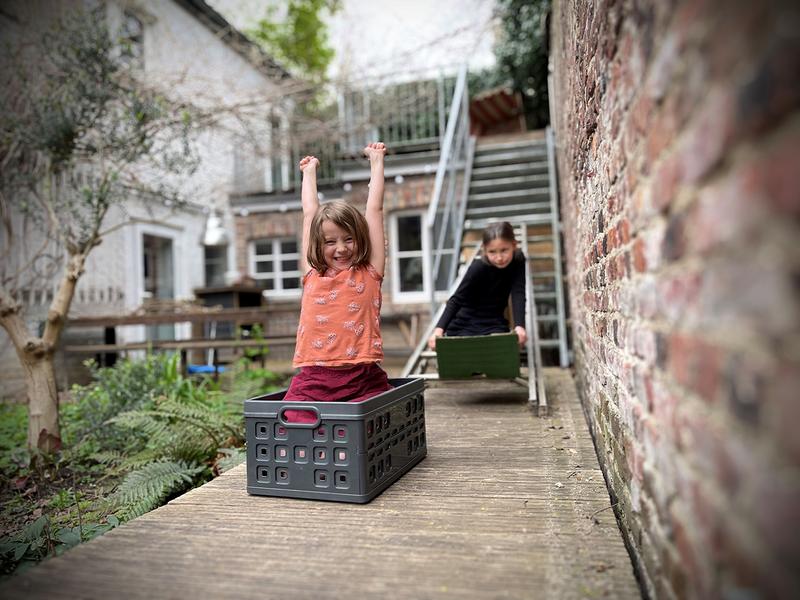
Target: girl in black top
[(478, 304)]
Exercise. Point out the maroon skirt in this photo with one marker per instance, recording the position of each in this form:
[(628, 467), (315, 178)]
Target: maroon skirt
[(323, 384)]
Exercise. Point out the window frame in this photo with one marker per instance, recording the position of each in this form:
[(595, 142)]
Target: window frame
[(277, 274), (416, 297), (219, 264)]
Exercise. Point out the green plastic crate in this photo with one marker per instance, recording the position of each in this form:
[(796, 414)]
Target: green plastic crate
[(493, 356)]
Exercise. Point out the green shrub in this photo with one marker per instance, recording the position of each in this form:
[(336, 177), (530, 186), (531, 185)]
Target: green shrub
[(137, 436)]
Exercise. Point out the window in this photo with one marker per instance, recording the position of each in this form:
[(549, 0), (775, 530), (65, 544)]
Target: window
[(132, 40), (275, 265), (409, 257), (216, 264), (410, 246)]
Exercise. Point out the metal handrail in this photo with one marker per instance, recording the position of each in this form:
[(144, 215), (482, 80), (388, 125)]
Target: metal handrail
[(536, 391), (555, 226), (455, 140)]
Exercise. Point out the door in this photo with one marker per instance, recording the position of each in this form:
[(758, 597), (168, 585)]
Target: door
[(159, 281)]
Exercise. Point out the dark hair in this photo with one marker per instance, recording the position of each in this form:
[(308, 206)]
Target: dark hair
[(348, 218), (501, 230)]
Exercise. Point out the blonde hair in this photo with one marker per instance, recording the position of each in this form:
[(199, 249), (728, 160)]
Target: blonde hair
[(348, 218)]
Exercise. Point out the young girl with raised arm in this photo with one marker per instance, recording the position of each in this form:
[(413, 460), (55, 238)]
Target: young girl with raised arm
[(339, 345), (478, 304)]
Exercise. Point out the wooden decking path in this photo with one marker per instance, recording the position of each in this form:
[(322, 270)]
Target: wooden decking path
[(506, 505)]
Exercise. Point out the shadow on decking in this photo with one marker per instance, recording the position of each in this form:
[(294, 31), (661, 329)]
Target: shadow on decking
[(506, 505)]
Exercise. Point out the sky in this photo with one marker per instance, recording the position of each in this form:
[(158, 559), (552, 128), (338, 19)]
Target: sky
[(395, 39)]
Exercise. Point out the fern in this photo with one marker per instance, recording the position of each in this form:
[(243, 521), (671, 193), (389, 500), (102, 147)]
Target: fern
[(107, 457), (146, 488)]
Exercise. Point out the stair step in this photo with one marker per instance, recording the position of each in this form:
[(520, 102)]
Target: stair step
[(495, 146), (541, 257), (502, 212), (515, 195), (479, 224), (537, 167), (549, 343), (510, 183), (509, 156)]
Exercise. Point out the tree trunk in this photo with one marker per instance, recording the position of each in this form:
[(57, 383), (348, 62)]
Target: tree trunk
[(36, 355), (40, 376)]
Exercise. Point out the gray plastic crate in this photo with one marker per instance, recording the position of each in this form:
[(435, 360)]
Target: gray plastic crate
[(352, 453)]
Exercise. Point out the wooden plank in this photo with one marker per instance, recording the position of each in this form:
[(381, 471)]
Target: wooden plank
[(179, 345), (481, 517), (248, 315)]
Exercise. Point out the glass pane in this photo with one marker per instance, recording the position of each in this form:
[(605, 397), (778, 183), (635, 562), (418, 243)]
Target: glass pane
[(264, 266), (437, 229), (288, 246), (291, 283), (289, 265), (267, 284), (215, 252), (443, 276), (409, 233), (411, 274), (264, 248)]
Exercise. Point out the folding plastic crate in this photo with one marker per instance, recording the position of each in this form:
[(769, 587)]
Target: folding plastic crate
[(353, 451), (494, 356)]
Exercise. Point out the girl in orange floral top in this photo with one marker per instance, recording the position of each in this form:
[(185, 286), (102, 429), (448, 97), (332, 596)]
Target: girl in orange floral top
[(339, 346)]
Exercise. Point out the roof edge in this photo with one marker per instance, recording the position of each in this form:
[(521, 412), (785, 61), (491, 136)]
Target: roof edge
[(235, 39)]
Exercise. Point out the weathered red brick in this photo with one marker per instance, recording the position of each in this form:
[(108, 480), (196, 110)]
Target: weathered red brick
[(662, 132), (693, 557), (773, 90), (624, 231), (709, 135), (679, 295), (665, 181), (774, 177), (639, 260), (777, 492), (782, 408)]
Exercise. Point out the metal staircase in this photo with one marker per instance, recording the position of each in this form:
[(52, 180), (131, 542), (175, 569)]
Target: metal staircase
[(515, 181), (503, 178)]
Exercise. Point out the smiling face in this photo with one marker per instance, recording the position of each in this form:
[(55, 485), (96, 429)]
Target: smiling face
[(499, 252), (338, 246)]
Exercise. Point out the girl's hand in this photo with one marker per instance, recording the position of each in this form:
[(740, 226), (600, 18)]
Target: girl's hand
[(437, 333), (309, 164), (521, 334), (375, 150)]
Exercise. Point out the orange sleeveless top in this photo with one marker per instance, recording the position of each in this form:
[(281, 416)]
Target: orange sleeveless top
[(340, 319)]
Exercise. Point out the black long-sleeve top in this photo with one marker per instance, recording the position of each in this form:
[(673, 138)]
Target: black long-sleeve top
[(478, 304)]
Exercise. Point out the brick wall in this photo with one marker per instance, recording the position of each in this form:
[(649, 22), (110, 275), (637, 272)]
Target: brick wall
[(678, 133)]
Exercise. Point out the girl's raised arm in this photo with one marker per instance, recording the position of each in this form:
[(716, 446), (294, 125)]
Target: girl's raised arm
[(310, 202), (374, 213)]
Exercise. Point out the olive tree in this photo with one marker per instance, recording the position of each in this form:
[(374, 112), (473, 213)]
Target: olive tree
[(80, 134)]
